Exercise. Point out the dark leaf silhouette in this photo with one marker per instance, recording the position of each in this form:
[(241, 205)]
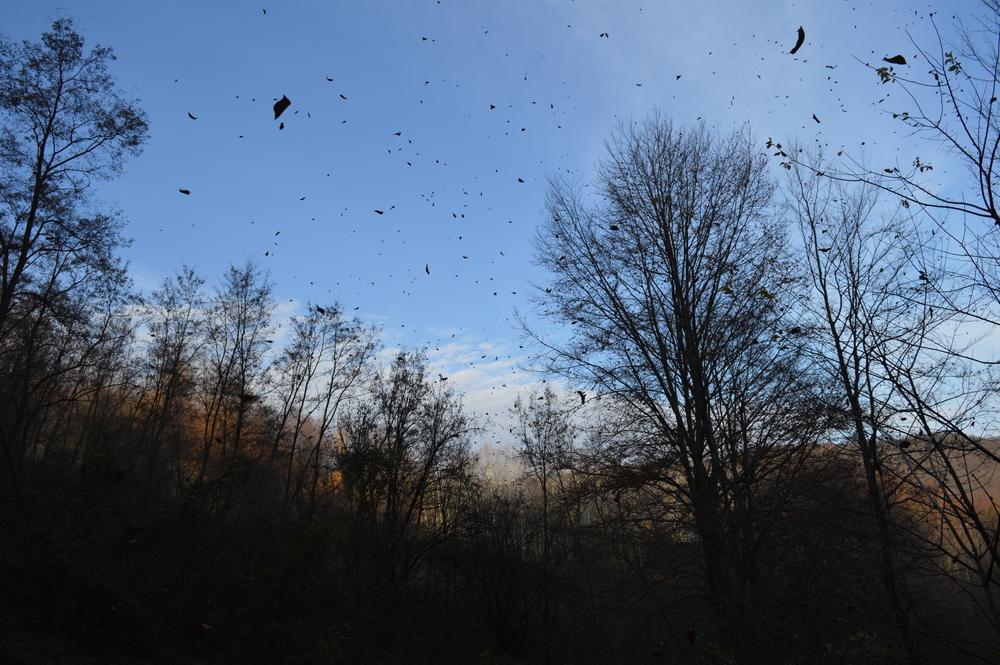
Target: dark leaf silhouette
[(801, 40), (191, 116), (281, 105), (281, 126), (427, 268), (815, 118), (379, 212), (583, 397), (184, 191), (896, 60)]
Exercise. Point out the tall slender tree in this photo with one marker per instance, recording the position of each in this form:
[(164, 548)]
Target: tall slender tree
[(63, 126)]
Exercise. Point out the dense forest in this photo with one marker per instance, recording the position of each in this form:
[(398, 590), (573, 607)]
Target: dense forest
[(768, 438)]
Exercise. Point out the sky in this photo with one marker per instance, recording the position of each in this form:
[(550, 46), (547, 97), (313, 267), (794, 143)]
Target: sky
[(410, 172)]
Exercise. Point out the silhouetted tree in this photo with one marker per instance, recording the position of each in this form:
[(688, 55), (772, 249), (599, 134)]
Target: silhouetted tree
[(867, 316), (544, 442), (64, 125), (237, 344), (322, 368), (177, 318), (675, 284), (404, 462)]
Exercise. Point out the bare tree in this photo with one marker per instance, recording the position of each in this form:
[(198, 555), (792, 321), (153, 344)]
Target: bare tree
[(320, 370), (237, 343), (866, 314), (63, 125), (944, 383), (404, 457), (544, 440), (675, 286), (176, 320)]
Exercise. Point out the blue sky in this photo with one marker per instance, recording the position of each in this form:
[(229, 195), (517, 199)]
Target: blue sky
[(407, 126)]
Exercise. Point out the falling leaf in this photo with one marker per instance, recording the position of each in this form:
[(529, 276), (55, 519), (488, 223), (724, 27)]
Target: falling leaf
[(320, 310), (427, 268), (342, 97), (281, 126), (380, 212), (192, 117), (281, 105), (184, 191), (799, 42), (896, 60), (815, 118), (520, 180)]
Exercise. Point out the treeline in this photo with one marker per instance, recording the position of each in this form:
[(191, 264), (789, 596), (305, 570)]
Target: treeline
[(203, 496), (771, 449)]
